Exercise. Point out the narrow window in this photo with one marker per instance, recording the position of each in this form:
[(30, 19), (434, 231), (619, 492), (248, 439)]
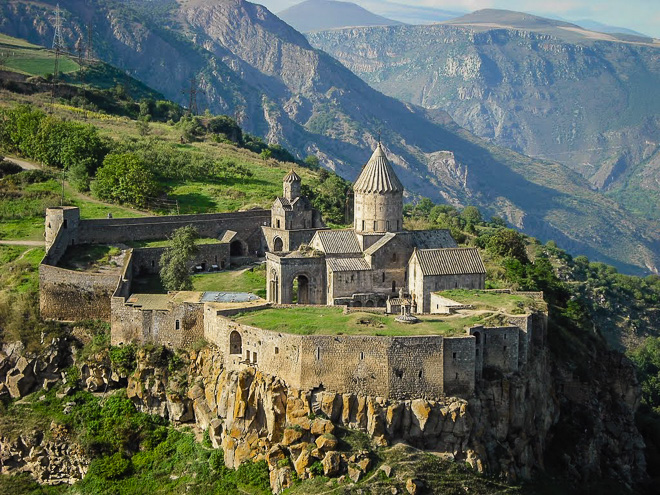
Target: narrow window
[(504, 336), (361, 355), (393, 257), (375, 225), (277, 350), (393, 285), (420, 374), (177, 324), (247, 356), (362, 224), (504, 349), (318, 353), (454, 355), (388, 225), (278, 223), (383, 277), (477, 352), (456, 376), (153, 263), (254, 357), (66, 223)]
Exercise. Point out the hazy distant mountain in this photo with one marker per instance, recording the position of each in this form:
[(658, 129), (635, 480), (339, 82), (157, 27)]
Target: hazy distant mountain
[(410, 14), (604, 28), (252, 63), (316, 15), (543, 87)]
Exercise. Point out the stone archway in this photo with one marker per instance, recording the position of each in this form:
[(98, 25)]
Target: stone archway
[(278, 245), (357, 304), (381, 303), (300, 289), (235, 343), (369, 304), (236, 248)]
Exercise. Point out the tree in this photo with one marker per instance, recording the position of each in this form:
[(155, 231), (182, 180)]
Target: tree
[(508, 243), (125, 178), (175, 261), (471, 215), (312, 161)]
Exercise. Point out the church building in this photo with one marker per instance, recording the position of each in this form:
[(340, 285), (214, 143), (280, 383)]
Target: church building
[(364, 266)]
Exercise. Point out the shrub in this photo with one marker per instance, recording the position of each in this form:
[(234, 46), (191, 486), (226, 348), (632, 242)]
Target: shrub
[(112, 467), (125, 178)]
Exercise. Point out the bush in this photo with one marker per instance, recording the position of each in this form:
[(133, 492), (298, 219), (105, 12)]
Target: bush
[(123, 358), (125, 178), (112, 467)]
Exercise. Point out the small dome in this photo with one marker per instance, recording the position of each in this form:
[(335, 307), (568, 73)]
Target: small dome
[(378, 176), (291, 177)]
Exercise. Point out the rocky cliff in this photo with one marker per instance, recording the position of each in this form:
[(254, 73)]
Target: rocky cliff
[(255, 66), (515, 426)]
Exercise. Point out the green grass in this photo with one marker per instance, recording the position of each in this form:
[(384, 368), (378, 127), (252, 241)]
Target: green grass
[(508, 303), (331, 321), (241, 280), (19, 269), (23, 57)]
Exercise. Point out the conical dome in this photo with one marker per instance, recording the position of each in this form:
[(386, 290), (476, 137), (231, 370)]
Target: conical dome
[(291, 177), (378, 176)]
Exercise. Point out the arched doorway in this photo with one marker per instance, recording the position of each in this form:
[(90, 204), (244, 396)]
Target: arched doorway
[(370, 304), (300, 290), (357, 304), (235, 343), (236, 249), (278, 245), (381, 303)]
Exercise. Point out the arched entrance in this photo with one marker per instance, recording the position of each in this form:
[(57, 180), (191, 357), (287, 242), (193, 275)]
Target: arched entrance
[(370, 304), (236, 249), (278, 245), (300, 290), (235, 343), (357, 304), (381, 303)]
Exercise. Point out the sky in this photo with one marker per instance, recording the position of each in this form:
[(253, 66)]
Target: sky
[(640, 15)]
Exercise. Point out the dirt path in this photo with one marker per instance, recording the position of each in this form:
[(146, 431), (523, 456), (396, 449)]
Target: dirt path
[(22, 163), (23, 243)]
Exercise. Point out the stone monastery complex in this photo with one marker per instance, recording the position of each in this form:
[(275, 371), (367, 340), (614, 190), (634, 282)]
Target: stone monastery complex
[(375, 268)]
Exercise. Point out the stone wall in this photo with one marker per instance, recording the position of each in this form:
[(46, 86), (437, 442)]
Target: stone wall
[(71, 295), (291, 239), (500, 347), (246, 224), (378, 212), (459, 367), (436, 283), (393, 367), (147, 260)]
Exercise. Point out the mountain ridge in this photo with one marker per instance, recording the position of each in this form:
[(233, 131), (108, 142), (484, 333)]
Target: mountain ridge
[(317, 15), (254, 65)]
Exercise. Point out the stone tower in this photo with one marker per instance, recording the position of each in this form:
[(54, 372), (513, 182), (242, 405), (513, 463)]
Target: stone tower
[(378, 193), (65, 218), (291, 184)]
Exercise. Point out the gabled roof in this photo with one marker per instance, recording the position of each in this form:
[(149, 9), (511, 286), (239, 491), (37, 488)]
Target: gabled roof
[(347, 264), (379, 243), (454, 261), (377, 176), (284, 203), (337, 241), (432, 239), (291, 177)]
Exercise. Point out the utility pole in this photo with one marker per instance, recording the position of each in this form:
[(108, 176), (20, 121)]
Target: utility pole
[(58, 47), (192, 96)]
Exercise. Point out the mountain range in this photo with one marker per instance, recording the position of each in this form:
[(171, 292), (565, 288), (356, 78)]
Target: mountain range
[(252, 65), (317, 15)]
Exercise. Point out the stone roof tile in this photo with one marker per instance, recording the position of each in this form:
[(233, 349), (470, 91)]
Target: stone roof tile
[(347, 264), (432, 239), (377, 176), (453, 261), (338, 241)]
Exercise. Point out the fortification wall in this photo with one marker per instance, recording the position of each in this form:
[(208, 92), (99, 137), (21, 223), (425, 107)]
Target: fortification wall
[(246, 224), (500, 347), (459, 366), (276, 353), (147, 260), (71, 295), (415, 365), (346, 364)]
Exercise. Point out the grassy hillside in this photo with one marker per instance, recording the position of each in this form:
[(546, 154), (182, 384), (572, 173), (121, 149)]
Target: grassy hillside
[(32, 60)]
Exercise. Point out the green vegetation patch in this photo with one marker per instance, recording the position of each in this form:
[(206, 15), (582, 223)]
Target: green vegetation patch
[(495, 301), (166, 242), (89, 256), (241, 280), (332, 321), (21, 56)]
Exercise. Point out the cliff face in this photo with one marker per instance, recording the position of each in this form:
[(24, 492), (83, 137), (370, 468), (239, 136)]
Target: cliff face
[(253, 65), (548, 416)]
